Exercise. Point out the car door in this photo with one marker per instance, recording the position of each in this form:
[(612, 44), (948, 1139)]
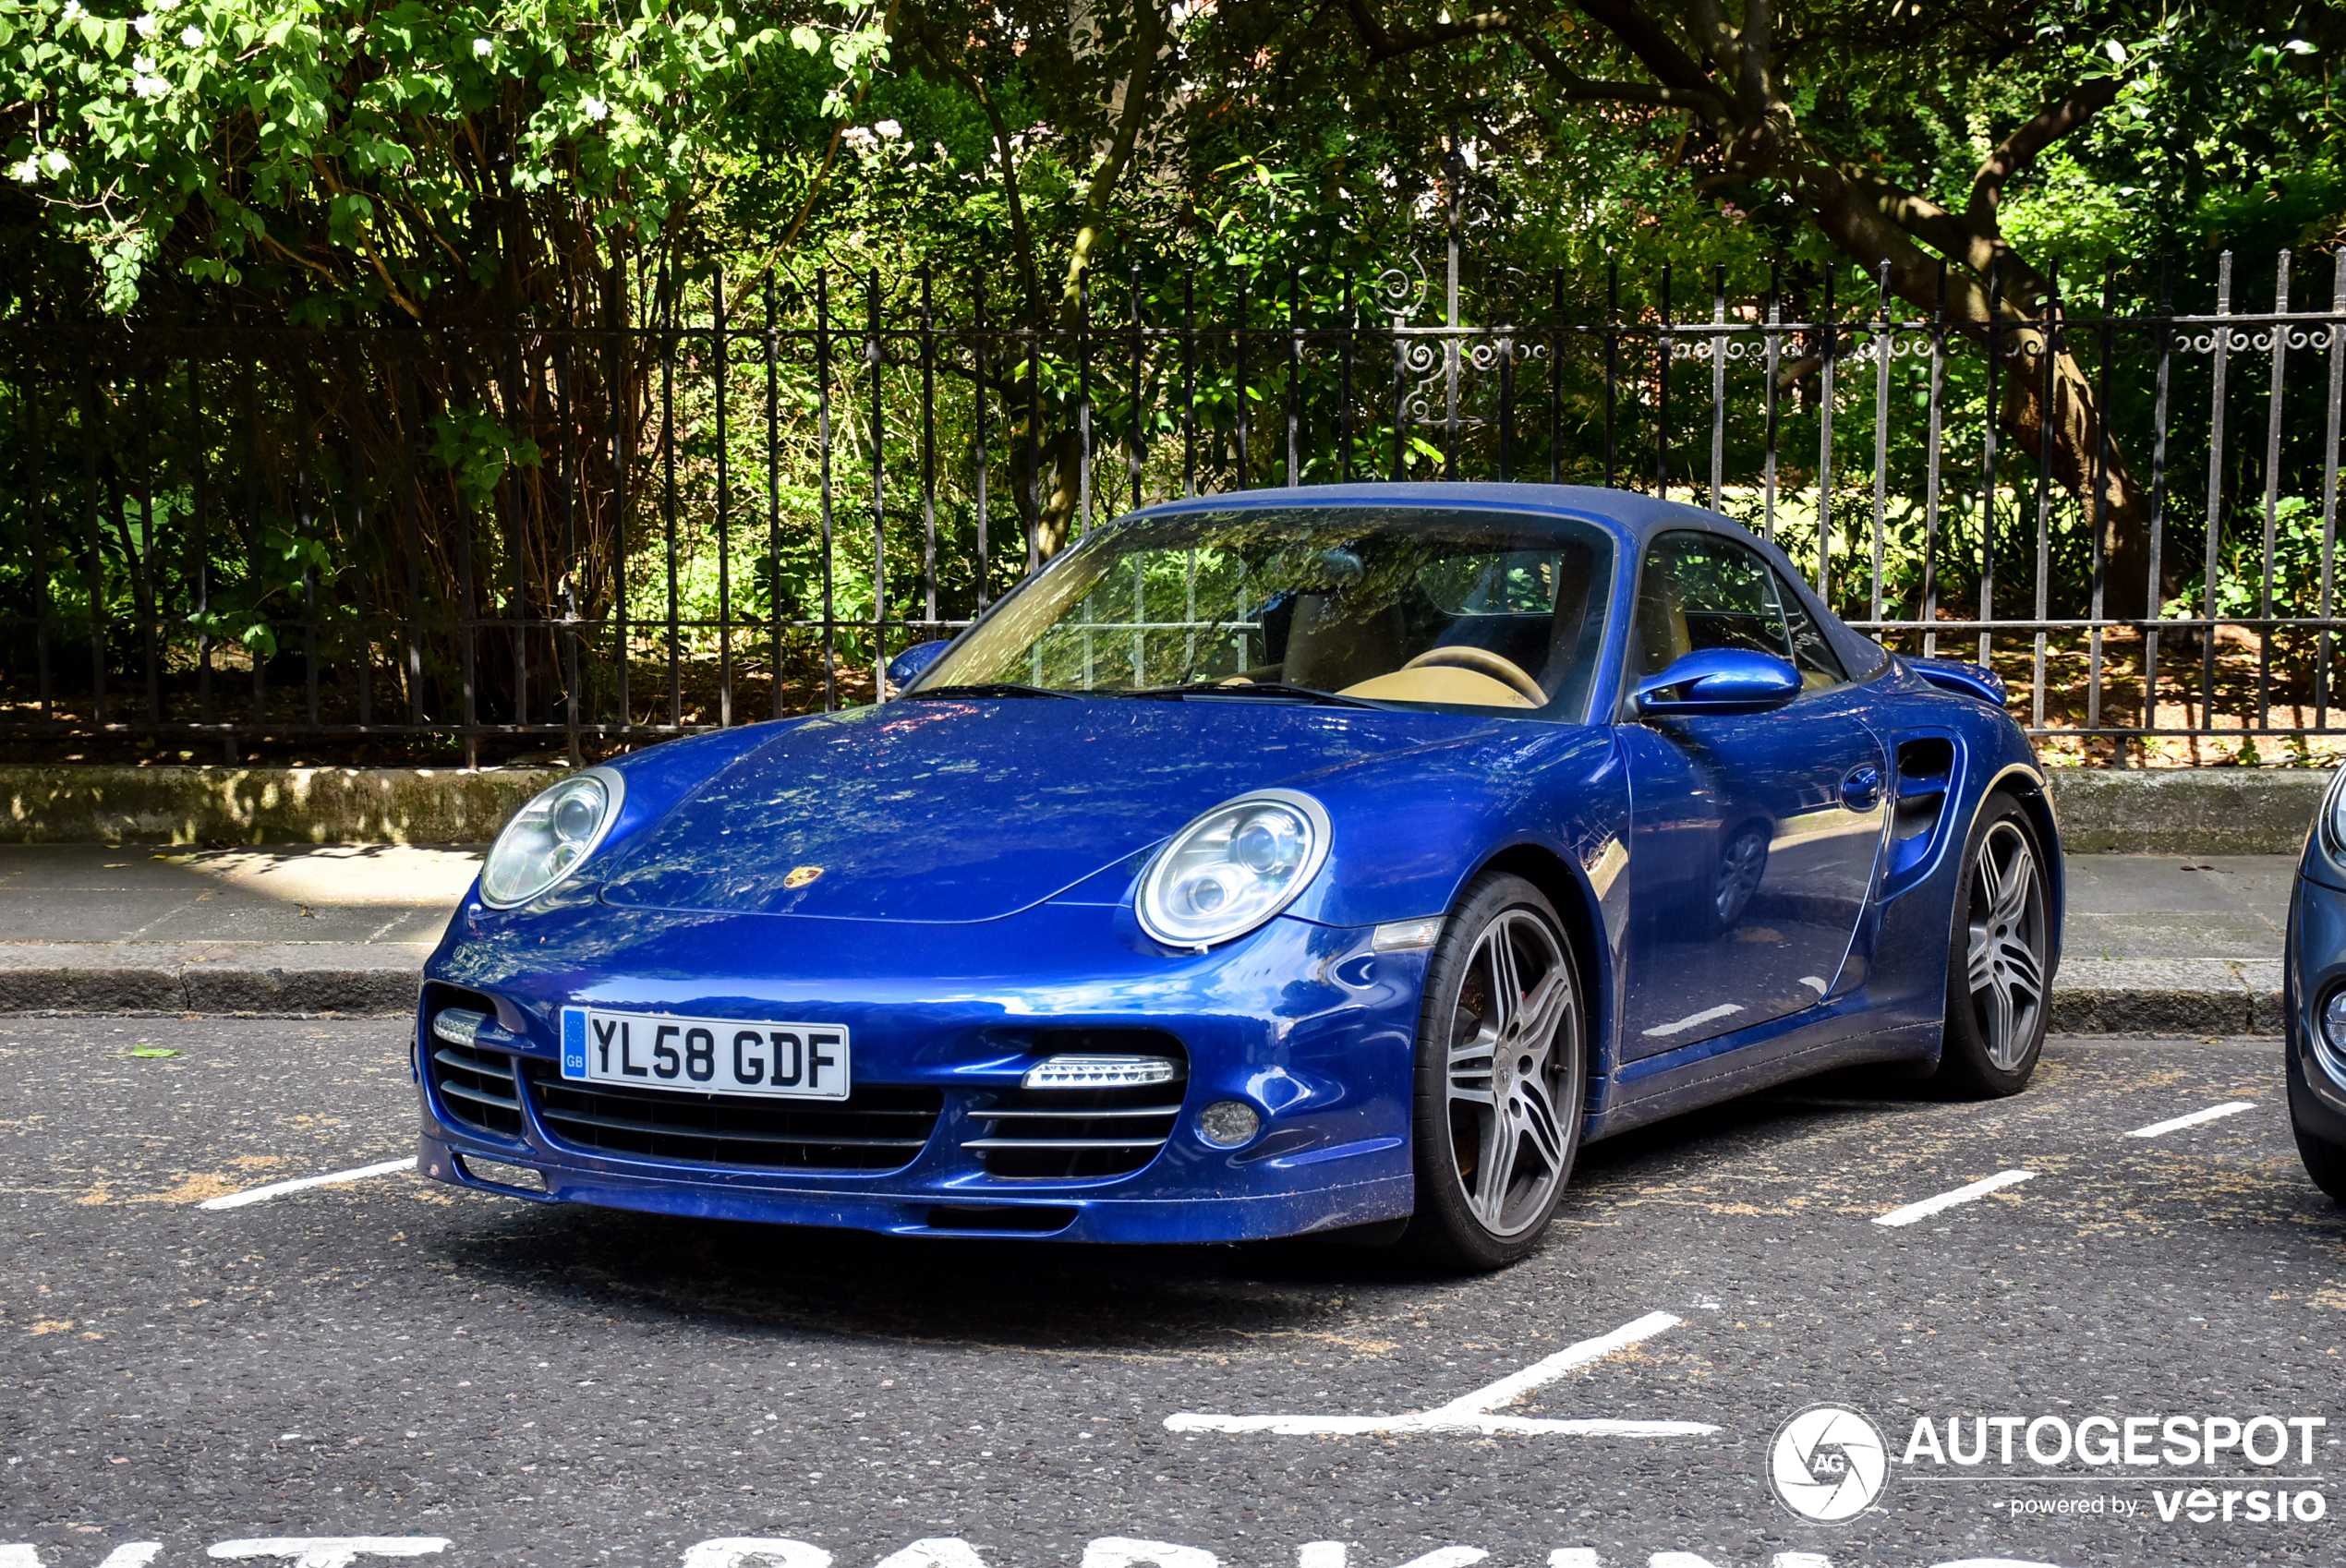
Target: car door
[(1753, 836)]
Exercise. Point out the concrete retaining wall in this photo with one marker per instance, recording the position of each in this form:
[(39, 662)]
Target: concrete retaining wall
[(260, 805), (2211, 811), (2187, 810)]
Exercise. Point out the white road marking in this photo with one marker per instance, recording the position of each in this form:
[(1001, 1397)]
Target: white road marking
[(330, 1551), (936, 1551), (2213, 1112), (1965, 1194), (1337, 1554), (278, 1189), (133, 1554), (1476, 1412), (1722, 1010), (1123, 1552), (756, 1552)]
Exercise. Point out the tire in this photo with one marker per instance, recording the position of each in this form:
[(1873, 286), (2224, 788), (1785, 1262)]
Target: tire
[(2325, 1161), (2324, 1158), (1999, 959), (1491, 1070)]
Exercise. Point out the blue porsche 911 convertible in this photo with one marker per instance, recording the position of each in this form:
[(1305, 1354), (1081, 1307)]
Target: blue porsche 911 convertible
[(1293, 862)]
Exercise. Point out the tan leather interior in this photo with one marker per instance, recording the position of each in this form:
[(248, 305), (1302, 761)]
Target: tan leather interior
[(1482, 661), (1326, 650), (1439, 684)]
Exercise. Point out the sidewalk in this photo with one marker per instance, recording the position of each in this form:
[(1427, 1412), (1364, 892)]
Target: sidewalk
[(339, 928), (2154, 943)]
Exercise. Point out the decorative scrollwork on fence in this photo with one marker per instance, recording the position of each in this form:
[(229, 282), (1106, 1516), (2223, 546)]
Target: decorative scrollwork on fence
[(2248, 340)]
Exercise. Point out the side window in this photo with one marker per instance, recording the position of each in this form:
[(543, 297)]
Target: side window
[(1703, 591), (1812, 654)]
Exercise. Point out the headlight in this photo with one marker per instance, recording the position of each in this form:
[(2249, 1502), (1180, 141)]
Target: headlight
[(1233, 868), (550, 837)]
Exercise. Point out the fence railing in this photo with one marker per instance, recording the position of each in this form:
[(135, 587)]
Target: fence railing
[(720, 505)]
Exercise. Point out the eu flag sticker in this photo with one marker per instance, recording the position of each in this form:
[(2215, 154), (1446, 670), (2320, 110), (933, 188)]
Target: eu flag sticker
[(574, 1043)]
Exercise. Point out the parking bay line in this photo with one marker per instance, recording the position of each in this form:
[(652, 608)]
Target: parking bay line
[(2213, 1112), (1965, 1194), (279, 1189), (1475, 1412)]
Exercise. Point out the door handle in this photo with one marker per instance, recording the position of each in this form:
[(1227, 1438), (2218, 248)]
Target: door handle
[(1862, 789)]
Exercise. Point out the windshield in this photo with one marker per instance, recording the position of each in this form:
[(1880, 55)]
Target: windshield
[(1420, 607)]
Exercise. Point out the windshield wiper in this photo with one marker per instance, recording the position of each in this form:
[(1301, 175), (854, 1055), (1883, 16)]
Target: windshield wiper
[(983, 689), (1277, 691)]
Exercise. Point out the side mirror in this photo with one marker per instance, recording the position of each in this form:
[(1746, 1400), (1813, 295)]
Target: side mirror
[(1719, 680), (906, 666)]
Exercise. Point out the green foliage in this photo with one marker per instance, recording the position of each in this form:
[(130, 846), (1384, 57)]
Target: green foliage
[(341, 155), (2297, 564)]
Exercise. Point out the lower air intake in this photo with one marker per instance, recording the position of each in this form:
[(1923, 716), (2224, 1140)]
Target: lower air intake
[(1075, 1133), (878, 1127), (475, 1087)]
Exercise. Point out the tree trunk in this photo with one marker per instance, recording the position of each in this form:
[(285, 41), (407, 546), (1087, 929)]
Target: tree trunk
[(2067, 436)]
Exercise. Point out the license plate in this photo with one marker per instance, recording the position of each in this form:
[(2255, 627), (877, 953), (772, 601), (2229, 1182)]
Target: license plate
[(789, 1061)]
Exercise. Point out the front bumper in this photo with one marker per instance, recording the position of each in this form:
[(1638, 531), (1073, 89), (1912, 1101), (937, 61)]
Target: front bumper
[(1302, 1022)]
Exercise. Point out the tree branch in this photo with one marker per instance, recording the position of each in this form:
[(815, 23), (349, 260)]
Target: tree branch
[(1670, 65), (2021, 148), (1148, 41), (1756, 87), (1386, 44)]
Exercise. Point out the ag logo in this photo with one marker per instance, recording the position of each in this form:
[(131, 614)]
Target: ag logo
[(1828, 1463)]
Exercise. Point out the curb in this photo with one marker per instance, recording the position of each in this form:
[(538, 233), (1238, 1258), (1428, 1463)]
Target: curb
[(2202, 997), (189, 978)]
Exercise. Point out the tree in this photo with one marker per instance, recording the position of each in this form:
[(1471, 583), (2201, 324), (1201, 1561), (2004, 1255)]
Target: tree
[(476, 179), (1856, 121)]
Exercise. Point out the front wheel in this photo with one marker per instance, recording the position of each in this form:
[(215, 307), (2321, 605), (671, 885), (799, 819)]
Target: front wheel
[(2324, 1162), (1502, 1078), (1999, 962)]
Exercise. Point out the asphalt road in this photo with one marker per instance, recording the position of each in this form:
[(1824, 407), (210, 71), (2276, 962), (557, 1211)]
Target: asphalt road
[(535, 1384)]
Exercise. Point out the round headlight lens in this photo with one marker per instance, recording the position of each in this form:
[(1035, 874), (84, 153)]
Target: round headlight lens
[(1233, 868), (550, 837)]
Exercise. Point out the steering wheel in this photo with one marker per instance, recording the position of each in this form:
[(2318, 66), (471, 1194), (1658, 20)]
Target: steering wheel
[(1482, 661)]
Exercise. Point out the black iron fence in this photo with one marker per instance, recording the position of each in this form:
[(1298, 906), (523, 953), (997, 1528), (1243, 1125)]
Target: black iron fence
[(715, 504)]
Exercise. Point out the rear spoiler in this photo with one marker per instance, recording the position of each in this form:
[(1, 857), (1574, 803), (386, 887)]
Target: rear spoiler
[(1964, 680)]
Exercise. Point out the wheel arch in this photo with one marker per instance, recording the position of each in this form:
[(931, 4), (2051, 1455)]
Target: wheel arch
[(1576, 905), (2027, 787)]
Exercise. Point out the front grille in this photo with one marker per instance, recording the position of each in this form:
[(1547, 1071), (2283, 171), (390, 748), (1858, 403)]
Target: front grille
[(476, 1087), (1075, 1133), (876, 1129)]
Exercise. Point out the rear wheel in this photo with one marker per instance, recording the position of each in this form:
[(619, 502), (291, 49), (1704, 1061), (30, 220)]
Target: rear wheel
[(1502, 1078), (1998, 995)]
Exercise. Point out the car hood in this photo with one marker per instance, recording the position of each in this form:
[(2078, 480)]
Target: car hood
[(953, 810)]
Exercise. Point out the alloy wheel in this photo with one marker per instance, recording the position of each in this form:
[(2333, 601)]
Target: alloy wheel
[(2006, 959), (1505, 1063)]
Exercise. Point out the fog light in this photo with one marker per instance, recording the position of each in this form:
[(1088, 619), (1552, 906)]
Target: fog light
[(2334, 1019), (458, 1026), (1100, 1072), (1228, 1123)]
